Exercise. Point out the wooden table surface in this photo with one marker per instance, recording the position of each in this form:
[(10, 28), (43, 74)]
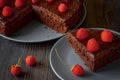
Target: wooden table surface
[(100, 13)]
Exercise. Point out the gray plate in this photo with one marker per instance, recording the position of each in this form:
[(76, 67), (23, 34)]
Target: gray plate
[(38, 32), (67, 54)]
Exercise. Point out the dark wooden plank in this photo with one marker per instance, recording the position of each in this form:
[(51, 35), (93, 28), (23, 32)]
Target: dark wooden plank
[(11, 51), (103, 14)]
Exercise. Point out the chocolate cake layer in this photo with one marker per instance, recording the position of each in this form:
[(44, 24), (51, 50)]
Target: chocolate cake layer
[(61, 22), (19, 18), (47, 12), (108, 52)]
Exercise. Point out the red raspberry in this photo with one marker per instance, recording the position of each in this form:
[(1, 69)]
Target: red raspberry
[(2, 3), (49, 0), (20, 3), (30, 60), (15, 70), (35, 1), (92, 45), (7, 11), (82, 33), (77, 70), (62, 7), (107, 36)]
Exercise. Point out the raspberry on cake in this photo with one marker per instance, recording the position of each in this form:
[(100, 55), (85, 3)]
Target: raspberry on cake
[(7, 11), (20, 3), (82, 33), (62, 7), (92, 45), (94, 52), (107, 36), (46, 11)]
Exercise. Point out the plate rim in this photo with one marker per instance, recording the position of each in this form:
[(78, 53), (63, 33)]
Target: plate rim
[(35, 41), (50, 58)]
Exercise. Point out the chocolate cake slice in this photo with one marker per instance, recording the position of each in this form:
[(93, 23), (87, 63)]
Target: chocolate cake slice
[(108, 52), (20, 17), (49, 14), (46, 11)]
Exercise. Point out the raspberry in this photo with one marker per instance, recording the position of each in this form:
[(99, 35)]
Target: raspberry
[(7, 11), (92, 45), (107, 36), (77, 70), (62, 7), (2, 3), (35, 1), (82, 33), (30, 60), (15, 70), (20, 3), (49, 0)]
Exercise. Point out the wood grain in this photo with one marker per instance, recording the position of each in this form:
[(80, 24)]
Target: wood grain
[(95, 13), (103, 14), (11, 51)]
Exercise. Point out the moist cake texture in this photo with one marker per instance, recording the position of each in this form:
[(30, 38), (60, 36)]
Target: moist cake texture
[(19, 18), (107, 53), (61, 22), (46, 12)]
